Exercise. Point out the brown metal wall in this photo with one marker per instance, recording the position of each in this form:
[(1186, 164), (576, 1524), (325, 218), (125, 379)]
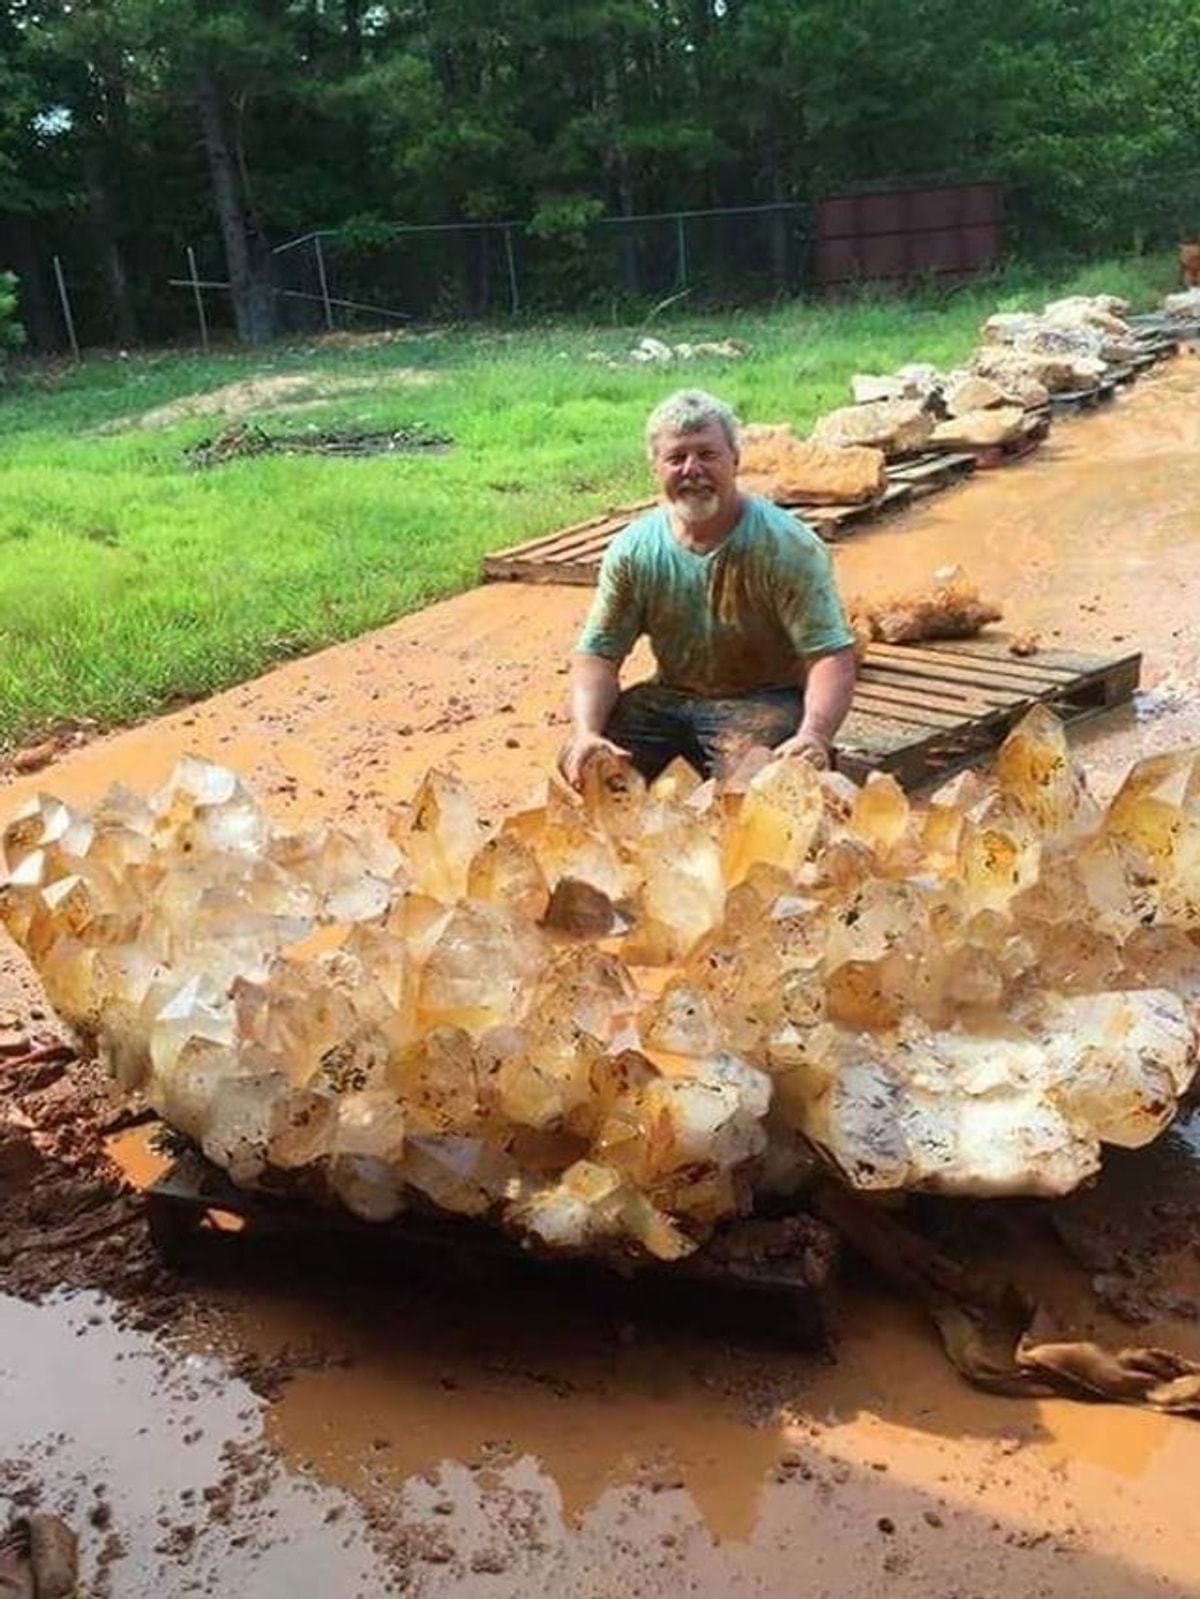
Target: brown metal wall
[(949, 232)]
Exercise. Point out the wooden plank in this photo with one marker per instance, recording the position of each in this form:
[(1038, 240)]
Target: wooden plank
[(929, 474), (993, 650), (925, 661), (903, 695), (970, 697), (572, 554), (574, 574), (564, 548), (618, 518), (922, 716), (994, 647), (1123, 670), (1069, 400)]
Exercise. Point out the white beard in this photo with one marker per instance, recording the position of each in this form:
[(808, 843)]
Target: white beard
[(696, 505)]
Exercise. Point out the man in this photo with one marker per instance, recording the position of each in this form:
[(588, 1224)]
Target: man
[(739, 604)]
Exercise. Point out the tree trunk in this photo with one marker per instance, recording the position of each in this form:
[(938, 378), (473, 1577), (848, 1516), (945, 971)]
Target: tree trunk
[(621, 171), (247, 258), (780, 227), (112, 258)]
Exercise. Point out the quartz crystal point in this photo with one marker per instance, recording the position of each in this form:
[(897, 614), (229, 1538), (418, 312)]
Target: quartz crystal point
[(570, 845), (968, 996), (682, 896), (507, 872), (371, 1189), (480, 968), (440, 836), (466, 1176), (779, 820), (436, 1079), (585, 990), (1034, 769), (205, 809), (591, 1206), (881, 816), (237, 1130), (614, 797)]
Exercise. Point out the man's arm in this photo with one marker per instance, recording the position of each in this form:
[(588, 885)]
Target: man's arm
[(828, 690), (594, 684)]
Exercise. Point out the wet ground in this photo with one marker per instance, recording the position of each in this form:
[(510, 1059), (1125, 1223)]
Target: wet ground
[(296, 1429)]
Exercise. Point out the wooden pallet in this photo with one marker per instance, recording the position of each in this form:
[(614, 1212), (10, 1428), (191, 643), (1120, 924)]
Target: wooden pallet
[(932, 471), (1068, 400), (923, 711), (1160, 338), (834, 522), (1034, 430), (778, 1271)]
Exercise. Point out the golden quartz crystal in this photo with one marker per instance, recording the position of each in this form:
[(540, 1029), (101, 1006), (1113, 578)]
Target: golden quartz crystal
[(609, 1021)]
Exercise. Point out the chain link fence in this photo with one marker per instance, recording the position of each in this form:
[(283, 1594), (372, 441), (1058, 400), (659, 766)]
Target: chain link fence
[(348, 276), (369, 276)]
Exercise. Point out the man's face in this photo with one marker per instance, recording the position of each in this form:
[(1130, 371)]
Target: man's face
[(696, 471)]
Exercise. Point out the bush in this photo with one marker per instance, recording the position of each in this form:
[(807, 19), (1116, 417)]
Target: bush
[(12, 334)]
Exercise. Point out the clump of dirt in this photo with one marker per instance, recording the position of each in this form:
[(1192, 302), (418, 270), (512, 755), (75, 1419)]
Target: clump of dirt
[(56, 741), (68, 1218), (1135, 1231), (951, 609), (243, 439)]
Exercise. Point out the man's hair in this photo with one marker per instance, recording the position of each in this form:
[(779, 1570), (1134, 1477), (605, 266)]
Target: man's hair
[(688, 411)]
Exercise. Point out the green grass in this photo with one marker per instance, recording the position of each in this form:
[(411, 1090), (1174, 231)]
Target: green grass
[(130, 581)]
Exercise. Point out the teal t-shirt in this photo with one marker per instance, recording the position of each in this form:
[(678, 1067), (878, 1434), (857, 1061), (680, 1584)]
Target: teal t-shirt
[(732, 621)]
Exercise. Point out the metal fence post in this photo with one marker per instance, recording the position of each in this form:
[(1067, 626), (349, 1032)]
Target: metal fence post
[(681, 252), (65, 301), (514, 291), (195, 277), (323, 281)]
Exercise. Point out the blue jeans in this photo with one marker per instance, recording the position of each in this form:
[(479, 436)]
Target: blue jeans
[(657, 724)]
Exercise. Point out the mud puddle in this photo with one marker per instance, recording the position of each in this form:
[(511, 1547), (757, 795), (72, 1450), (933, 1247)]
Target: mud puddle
[(464, 1471), (159, 1462), (498, 1444)]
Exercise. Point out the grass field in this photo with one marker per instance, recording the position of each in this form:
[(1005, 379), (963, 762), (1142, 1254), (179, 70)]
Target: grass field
[(130, 580)]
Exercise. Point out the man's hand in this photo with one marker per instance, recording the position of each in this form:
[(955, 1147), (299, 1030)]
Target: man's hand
[(803, 746), (581, 748)]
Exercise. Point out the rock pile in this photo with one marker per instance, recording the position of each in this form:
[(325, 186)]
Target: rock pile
[(1071, 345)]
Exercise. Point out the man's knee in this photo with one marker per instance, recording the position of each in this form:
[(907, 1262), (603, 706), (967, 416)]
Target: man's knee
[(645, 722), (733, 727)]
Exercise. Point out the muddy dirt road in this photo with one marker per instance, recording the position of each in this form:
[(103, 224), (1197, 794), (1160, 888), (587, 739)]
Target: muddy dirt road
[(314, 1434)]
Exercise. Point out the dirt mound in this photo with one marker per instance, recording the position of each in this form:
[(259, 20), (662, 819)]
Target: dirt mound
[(288, 391)]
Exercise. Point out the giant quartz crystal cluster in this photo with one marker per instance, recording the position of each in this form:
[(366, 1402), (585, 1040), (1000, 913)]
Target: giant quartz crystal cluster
[(609, 1022)]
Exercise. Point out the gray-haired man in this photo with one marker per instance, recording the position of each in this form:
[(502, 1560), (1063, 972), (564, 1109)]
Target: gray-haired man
[(740, 607)]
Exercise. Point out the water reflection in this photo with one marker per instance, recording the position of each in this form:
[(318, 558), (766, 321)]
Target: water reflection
[(158, 1460)]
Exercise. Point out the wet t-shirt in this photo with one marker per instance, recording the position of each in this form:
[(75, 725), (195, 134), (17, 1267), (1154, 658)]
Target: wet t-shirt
[(727, 622)]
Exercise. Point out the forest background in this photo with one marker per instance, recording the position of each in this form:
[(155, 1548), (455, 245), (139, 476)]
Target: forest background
[(133, 131)]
